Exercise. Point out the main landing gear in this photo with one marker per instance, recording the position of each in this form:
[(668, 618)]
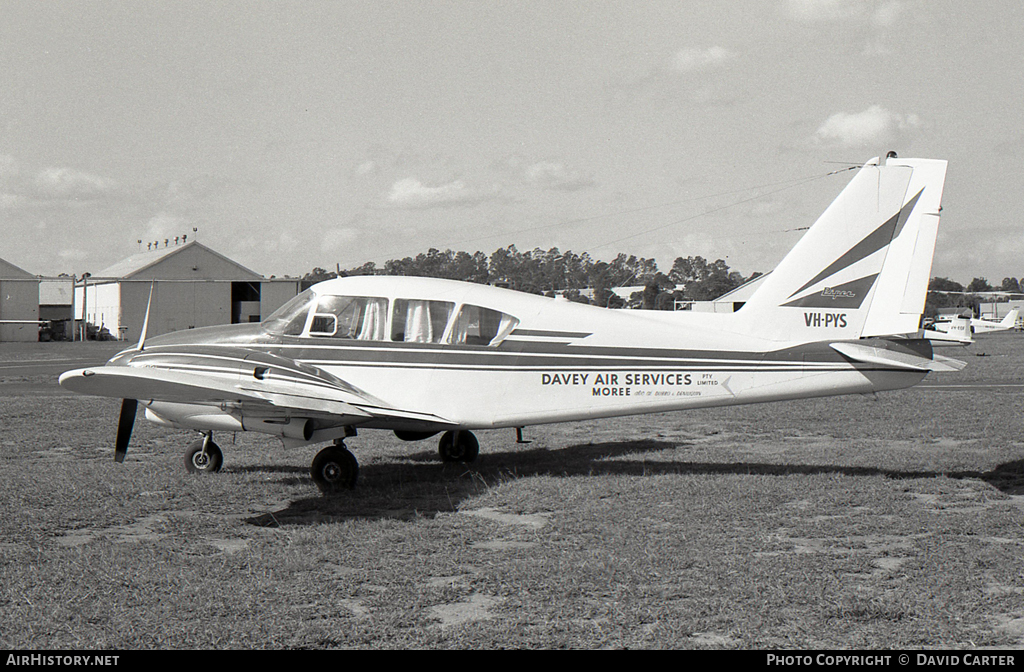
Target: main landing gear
[(334, 468), (458, 446)]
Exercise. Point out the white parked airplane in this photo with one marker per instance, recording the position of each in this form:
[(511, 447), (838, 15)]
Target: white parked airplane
[(420, 356), (954, 331), (958, 330)]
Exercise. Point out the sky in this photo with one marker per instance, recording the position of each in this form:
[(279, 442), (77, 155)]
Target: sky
[(294, 135)]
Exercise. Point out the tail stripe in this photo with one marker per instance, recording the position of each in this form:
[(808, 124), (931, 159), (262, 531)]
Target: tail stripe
[(870, 244), (847, 295)]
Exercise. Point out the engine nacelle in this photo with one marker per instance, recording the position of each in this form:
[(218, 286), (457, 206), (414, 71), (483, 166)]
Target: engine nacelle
[(212, 418)]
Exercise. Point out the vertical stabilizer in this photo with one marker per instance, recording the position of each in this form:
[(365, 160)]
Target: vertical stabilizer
[(862, 269)]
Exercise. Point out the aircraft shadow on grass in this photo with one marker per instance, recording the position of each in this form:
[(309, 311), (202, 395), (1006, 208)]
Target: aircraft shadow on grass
[(418, 485)]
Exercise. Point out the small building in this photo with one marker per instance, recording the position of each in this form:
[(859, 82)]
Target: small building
[(19, 304), (997, 311), (192, 286), (56, 308), (729, 302)]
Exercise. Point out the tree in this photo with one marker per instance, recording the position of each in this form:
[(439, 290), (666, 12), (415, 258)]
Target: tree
[(979, 285), (369, 268), (944, 285), (316, 275), (1010, 285), (702, 281)]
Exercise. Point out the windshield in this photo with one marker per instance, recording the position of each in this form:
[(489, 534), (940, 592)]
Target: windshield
[(291, 317)]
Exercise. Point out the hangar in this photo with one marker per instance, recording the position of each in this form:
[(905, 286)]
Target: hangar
[(193, 286), (19, 304)]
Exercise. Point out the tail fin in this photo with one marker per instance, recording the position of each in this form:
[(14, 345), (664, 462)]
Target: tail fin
[(862, 269), (1010, 321)]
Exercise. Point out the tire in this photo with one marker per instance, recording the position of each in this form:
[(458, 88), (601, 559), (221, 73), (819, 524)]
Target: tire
[(334, 468), (459, 446), (198, 462)]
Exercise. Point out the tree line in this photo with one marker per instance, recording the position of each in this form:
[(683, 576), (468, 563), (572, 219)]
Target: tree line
[(551, 272), (946, 293)]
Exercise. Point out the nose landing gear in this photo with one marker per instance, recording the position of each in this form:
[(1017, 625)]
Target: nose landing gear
[(203, 456)]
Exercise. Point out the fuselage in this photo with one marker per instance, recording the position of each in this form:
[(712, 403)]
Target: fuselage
[(475, 356)]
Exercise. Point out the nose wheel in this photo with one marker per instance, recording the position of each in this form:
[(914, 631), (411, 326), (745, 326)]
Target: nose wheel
[(203, 456), (334, 468)]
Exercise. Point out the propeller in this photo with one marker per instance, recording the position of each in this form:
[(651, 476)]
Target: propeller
[(124, 428), (126, 422)]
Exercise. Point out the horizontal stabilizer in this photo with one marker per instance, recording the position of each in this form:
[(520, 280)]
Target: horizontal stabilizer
[(893, 358)]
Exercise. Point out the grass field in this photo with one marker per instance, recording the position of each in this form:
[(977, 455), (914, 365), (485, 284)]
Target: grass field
[(851, 522)]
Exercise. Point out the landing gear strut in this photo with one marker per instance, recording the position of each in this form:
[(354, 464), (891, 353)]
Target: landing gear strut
[(203, 456), (335, 468), (458, 446)]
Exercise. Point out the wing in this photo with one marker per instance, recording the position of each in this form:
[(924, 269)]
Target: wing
[(252, 383)]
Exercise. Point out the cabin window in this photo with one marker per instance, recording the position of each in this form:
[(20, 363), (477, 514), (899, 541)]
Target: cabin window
[(352, 317), (475, 325), (290, 319), (420, 321)]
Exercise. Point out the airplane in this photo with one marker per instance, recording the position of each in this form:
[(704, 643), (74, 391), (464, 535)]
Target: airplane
[(423, 356), (982, 326), (960, 330), (955, 331)]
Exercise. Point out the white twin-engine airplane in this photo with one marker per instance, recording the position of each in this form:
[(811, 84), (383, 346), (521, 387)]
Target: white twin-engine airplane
[(422, 356)]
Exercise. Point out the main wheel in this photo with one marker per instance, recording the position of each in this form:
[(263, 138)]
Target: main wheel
[(334, 468), (198, 460), (459, 446)]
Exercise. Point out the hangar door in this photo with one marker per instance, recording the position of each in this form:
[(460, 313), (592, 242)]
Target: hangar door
[(245, 302), (186, 305)]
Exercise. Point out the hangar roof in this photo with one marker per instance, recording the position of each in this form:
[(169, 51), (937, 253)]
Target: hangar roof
[(191, 261), (9, 271)]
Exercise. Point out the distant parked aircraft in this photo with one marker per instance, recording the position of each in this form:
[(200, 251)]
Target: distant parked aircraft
[(958, 330)]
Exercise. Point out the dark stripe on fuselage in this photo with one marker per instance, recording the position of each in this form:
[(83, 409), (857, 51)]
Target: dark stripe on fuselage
[(527, 355), (547, 333), (543, 356)]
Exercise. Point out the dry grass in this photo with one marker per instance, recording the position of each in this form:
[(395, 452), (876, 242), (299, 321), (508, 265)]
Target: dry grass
[(895, 522)]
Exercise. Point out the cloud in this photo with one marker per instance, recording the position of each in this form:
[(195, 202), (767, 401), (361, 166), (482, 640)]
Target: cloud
[(860, 129), (74, 254), (411, 193), (881, 13), (811, 11), (337, 240), (61, 183), (367, 167), (51, 186), (547, 174), (695, 60), (8, 167), (556, 176)]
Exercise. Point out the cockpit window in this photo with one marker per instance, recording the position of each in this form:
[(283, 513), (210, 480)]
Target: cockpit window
[(420, 321), (290, 318), (475, 325), (357, 317)]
